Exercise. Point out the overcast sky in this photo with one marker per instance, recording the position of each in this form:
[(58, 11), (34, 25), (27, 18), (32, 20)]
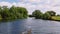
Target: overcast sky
[(31, 5)]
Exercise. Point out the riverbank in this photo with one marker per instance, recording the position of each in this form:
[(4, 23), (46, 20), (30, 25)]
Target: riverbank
[(56, 18), (53, 18)]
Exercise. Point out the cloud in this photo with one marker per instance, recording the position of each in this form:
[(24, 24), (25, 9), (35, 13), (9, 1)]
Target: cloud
[(31, 5), (5, 4)]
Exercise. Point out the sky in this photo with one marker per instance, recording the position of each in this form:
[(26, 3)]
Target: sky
[(31, 5)]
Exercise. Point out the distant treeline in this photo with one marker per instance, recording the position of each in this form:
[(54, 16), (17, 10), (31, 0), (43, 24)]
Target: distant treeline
[(47, 15), (13, 12), (21, 12)]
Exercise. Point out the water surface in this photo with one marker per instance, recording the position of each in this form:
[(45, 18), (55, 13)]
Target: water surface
[(38, 26)]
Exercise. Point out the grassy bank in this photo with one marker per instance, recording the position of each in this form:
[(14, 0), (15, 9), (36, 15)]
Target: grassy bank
[(56, 18)]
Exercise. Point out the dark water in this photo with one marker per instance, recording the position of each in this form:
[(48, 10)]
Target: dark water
[(38, 26)]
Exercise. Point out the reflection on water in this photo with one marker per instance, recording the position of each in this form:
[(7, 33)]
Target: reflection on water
[(36, 25)]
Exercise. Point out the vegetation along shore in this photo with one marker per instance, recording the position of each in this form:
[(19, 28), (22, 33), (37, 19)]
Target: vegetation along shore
[(13, 13), (21, 13), (48, 15)]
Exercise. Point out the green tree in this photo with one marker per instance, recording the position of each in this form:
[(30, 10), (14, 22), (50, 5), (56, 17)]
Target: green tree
[(5, 12), (37, 14), (0, 9), (18, 12), (49, 14), (13, 12), (52, 13), (23, 11), (46, 16)]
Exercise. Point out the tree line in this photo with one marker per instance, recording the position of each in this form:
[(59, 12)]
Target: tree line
[(21, 12), (13, 12), (39, 15)]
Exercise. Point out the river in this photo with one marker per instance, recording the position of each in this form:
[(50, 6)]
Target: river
[(37, 26)]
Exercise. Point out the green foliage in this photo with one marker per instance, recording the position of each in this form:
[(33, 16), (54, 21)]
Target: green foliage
[(47, 15), (0, 13), (5, 12), (0, 17), (37, 14), (13, 12), (52, 13)]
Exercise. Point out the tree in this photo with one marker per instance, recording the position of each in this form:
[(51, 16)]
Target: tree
[(13, 12), (46, 16), (5, 12), (18, 12), (37, 14), (23, 11), (0, 9), (52, 13)]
